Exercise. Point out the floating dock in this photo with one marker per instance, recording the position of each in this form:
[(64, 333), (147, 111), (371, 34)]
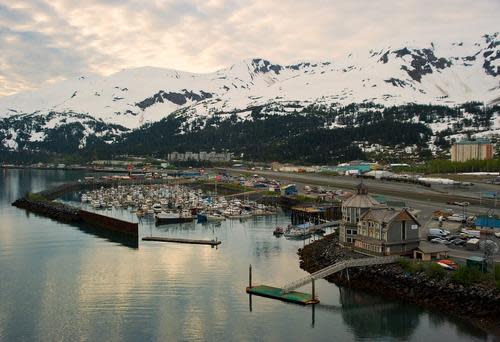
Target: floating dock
[(176, 240), (277, 293)]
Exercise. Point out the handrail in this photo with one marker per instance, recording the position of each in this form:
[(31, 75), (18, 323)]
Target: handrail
[(337, 267)]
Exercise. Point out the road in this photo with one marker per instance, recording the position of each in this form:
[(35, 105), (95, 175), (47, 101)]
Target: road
[(436, 194)]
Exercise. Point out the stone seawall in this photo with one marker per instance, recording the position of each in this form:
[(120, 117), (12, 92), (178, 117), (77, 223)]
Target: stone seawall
[(67, 214), (478, 304), (110, 223), (54, 210)]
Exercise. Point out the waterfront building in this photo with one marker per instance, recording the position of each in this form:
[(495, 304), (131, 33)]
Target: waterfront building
[(352, 210), (385, 231), (479, 149)]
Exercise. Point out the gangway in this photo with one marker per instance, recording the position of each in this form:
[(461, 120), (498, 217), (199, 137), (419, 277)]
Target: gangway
[(337, 267)]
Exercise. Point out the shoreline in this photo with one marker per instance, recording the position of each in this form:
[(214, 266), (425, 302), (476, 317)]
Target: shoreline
[(475, 304)]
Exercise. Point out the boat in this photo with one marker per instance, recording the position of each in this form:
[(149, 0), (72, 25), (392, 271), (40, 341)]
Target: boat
[(170, 218), (297, 234), (300, 232), (157, 208), (215, 218), (278, 231)]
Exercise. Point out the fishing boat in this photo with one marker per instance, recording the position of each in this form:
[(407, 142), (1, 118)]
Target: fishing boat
[(299, 232), (170, 218)]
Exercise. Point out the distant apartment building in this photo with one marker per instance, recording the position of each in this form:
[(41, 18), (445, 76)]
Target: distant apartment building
[(201, 156), (464, 150)]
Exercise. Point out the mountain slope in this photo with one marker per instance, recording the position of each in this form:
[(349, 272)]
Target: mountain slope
[(445, 74)]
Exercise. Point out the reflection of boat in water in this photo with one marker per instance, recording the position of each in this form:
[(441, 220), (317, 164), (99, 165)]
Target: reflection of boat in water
[(170, 218), (299, 232)]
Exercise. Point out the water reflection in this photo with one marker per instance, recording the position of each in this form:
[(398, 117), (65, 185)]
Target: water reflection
[(382, 318), (122, 239), (379, 317)]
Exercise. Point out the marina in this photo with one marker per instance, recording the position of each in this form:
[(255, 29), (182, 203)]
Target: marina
[(171, 204)]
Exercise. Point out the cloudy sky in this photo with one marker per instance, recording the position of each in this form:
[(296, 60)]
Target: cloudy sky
[(46, 41)]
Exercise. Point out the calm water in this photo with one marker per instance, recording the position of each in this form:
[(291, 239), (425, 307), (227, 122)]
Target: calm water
[(60, 282)]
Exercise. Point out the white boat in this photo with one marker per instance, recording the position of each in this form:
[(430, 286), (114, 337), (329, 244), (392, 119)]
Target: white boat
[(169, 218), (157, 208)]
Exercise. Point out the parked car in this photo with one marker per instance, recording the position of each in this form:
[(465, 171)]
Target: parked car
[(457, 218), (441, 241), (458, 242), (472, 244)]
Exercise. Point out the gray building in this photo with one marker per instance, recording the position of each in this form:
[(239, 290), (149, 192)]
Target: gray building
[(201, 156), (352, 210), (384, 231)]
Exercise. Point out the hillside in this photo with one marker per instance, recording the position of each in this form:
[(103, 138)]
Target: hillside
[(78, 115)]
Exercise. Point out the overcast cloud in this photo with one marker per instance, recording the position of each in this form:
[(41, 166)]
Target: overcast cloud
[(45, 41)]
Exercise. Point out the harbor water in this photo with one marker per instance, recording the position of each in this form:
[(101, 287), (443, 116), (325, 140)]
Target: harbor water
[(66, 283)]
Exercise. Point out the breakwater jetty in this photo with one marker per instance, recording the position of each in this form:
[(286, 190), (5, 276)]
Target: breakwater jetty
[(178, 240), (42, 203), (67, 214)]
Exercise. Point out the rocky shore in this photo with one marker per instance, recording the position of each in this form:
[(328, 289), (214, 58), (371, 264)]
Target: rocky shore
[(478, 304)]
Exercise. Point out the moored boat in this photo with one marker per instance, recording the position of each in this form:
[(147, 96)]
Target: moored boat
[(171, 218)]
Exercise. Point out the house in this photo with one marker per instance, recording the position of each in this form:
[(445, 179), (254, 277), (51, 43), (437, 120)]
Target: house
[(384, 231), (352, 209), (427, 251)]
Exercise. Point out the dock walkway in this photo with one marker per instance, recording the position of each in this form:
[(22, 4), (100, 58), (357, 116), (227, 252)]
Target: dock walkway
[(337, 267), (178, 240)]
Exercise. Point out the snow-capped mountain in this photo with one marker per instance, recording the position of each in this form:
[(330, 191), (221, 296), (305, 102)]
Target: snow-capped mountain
[(448, 74)]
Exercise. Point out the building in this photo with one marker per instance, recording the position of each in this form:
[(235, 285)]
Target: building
[(427, 251), (480, 149), (316, 214), (352, 209), (200, 156), (384, 231)]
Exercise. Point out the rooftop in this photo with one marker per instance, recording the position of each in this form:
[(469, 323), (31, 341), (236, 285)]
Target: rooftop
[(427, 247), (473, 142)]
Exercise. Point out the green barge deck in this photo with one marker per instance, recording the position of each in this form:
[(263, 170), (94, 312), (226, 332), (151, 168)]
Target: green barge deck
[(277, 293)]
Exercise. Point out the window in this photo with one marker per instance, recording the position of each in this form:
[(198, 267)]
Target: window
[(403, 230)]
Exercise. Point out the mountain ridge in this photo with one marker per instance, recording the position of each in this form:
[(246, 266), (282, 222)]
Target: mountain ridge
[(442, 74)]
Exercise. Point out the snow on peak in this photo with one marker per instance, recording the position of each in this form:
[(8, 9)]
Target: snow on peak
[(434, 72)]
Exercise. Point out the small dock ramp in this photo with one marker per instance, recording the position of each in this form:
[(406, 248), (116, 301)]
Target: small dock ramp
[(337, 267)]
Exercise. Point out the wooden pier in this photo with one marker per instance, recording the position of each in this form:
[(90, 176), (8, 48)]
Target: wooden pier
[(178, 240)]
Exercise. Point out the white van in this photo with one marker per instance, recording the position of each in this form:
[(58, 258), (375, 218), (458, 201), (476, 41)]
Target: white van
[(437, 233)]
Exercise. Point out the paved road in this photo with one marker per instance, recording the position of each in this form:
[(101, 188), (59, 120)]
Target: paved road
[(462, 253), (438, 194)]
